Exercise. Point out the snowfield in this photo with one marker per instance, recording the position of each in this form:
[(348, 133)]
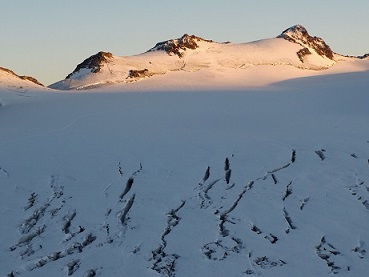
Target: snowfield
[(269, 180)]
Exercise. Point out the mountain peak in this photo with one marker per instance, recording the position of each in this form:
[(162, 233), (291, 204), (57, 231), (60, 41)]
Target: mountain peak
[(179, 45), (296, 29), (298, 34), (94, 62)]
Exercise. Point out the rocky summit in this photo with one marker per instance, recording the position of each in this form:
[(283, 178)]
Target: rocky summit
[(94, 62), (298, 34), (178, 46)]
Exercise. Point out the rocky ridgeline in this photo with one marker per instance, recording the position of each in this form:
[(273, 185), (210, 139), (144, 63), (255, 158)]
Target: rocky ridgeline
[(94, 62), (26, 78), (298, 34), (31, 79), (179, 45), (364, 57)]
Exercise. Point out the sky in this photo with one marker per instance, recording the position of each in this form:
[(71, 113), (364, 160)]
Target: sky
[(47, 39)]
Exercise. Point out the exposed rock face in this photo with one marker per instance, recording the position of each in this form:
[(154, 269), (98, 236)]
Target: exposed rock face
[(139, 73), (94, 62), (178, 46), (302, 53), (27, 78), (298, 34)]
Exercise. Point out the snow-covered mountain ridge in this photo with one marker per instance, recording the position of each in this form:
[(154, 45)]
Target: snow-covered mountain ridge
[(294, 48), (10, 78)]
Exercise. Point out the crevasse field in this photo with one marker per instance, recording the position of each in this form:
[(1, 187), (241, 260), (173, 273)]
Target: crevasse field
[(268, 181)]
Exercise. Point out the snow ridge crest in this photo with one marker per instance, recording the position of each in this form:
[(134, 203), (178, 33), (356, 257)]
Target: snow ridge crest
[(24, 77)]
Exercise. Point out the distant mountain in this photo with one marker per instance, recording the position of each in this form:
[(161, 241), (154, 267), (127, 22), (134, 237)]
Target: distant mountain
[(293, 47), (9, 78)]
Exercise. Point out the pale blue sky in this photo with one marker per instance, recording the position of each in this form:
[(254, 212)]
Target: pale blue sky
[(48, 38)]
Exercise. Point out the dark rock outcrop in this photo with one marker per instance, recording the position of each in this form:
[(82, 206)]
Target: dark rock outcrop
[(177, 46), (26, 78), (298, 34), (139, 73), (366, 56), (94, 62), (302, 53)]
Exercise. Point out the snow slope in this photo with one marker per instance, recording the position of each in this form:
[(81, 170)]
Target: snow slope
[(269, 181), (294, 49)]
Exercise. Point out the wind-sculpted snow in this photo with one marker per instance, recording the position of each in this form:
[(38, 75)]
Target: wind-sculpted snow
[(255, 182)]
